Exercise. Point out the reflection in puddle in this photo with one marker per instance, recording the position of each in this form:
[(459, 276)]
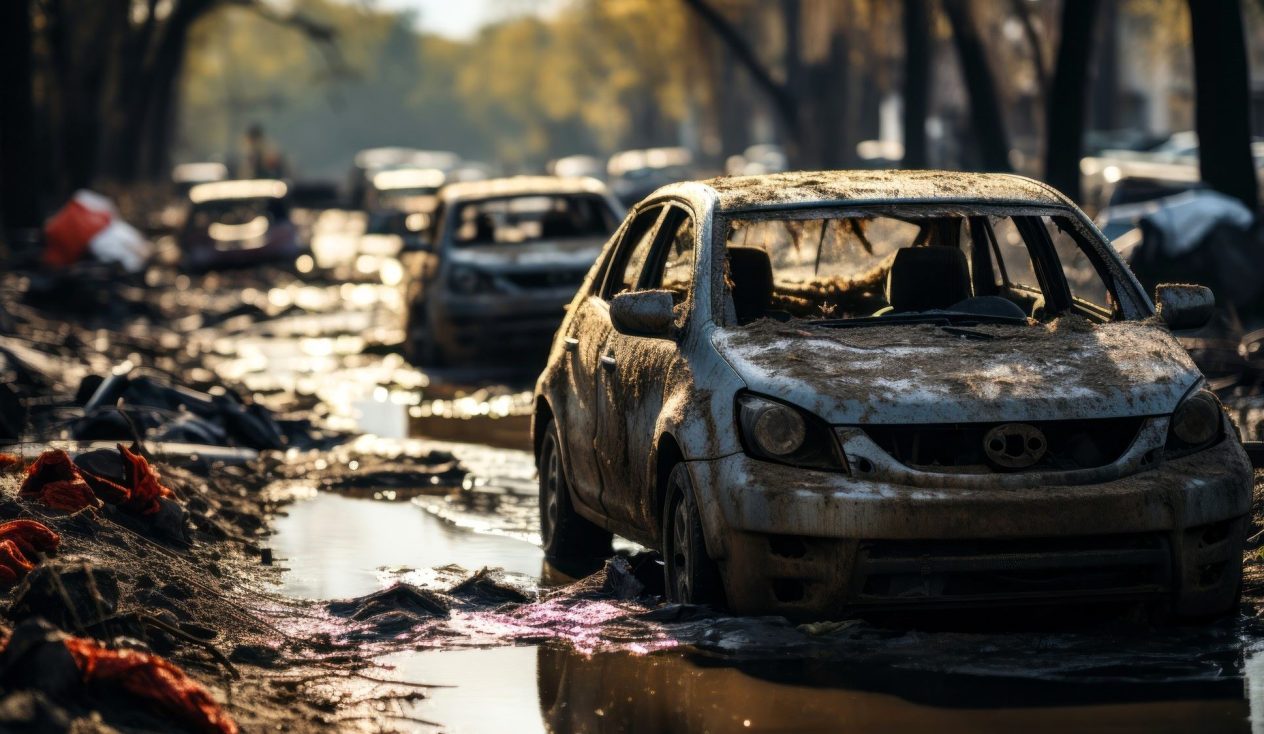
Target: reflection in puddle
[(617, 692), (553, 688), (337, 547), (493, 690)]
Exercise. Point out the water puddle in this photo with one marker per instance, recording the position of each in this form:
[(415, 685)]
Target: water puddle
[(336, 547)]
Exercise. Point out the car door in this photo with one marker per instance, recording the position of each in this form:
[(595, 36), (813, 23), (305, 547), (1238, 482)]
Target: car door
[(634, 370), (586, 334)]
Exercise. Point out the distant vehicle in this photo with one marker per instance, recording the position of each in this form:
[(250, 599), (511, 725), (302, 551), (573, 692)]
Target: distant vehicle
[(757, 160), (238, 224), (368, 163), (825, 393), (634, 174), (578, 165), (502, 258), (1168, 167), (187, 175), (395, 195)]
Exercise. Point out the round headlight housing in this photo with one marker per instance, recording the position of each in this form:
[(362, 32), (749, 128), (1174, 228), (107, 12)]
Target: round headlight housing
[(778, 429), (779, 432), (1197, 419)]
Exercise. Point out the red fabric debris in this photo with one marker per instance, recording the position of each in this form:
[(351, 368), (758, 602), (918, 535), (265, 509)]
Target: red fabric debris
[(30, 537), (68, 233), (10, 462), (154, 679), (106, 490), (13, 559), (144, 484), (55, 481), (21, 542)]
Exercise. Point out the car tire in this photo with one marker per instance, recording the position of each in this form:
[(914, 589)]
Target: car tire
[(564, 533), (690, 575)]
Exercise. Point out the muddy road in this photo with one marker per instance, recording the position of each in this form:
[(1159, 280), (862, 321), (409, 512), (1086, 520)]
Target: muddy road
[(402, 533)]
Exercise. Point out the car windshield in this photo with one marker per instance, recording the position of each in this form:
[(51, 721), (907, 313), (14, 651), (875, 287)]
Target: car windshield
[(237, 212), (531, 218), (905, 265)]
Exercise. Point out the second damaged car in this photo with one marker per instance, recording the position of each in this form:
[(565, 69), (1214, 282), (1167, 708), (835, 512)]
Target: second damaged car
[(501, 260), (824, 394)]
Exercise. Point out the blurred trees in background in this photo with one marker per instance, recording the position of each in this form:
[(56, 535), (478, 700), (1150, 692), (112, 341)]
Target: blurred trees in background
[(120, 87)]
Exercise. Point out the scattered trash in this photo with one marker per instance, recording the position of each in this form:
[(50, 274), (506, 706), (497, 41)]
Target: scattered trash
[(39, 658), (89, 223), (21, 543)]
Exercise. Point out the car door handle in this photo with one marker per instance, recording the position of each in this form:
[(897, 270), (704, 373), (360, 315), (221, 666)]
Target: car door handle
[(571, 343), (607, 362)]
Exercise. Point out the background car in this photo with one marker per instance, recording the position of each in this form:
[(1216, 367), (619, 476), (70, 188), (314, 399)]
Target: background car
[(238, 224), (504, 257)]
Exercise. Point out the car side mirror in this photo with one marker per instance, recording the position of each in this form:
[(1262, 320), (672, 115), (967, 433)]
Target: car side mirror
[(644, 313), (1182, 306)]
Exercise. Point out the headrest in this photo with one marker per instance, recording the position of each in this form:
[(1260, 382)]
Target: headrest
[(751, 273), (926, 278)]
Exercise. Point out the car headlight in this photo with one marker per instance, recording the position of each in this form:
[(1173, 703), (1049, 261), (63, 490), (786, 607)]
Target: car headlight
[(1196, 423), (468, 281), (778, 432)]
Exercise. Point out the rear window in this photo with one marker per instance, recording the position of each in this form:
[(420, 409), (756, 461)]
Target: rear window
[(235, 212), (526, 219)]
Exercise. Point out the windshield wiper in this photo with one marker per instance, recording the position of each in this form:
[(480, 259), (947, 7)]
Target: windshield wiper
[(943, 319)]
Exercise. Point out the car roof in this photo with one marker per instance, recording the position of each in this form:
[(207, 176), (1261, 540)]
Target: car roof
[(260, 188), (799, 189), (520, 186)]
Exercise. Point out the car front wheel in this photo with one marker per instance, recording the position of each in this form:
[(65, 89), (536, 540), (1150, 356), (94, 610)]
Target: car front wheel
[(690, 575), (563, 532)]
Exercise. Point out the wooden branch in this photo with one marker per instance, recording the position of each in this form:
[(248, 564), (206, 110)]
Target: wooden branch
[(783, 101)]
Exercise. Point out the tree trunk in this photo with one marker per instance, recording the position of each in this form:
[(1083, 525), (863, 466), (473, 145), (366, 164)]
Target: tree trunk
[(1067, 106), (985, 102), (19, 198), (784, 103), (1222, 89), (916, 82)]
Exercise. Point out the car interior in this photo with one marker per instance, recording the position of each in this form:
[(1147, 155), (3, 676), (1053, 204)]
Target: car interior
[(993, 267)]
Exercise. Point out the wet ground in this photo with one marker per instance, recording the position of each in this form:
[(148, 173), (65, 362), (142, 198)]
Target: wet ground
[(559, 658)]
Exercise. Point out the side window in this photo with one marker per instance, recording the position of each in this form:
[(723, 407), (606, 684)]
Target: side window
[(1081, 274), (1015, 260), (634, 252), (675, 259)]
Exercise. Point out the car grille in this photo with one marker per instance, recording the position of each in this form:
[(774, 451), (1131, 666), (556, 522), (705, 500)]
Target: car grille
[(546, 279), (1071, 444), (1035, 570)]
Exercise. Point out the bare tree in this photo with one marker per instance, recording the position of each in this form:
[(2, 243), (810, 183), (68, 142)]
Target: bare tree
[(1067, 107), (1222, 88), (988, 123), (19, 202), (916, 82)]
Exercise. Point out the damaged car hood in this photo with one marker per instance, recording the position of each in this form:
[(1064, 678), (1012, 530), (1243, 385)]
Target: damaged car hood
[(570, 254), (926, 374)]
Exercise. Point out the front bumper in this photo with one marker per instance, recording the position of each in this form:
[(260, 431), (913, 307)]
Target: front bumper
[(466, 327), (813, 544)]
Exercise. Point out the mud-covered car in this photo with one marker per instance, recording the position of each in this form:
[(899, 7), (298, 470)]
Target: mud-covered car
[(501, 260), (825, 393), (233, 224)]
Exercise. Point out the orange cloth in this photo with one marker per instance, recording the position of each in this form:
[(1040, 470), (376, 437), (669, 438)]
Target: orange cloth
[(21, 542), (154, 679)]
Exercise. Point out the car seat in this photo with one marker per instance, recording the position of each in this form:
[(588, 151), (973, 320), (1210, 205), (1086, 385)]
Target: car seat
[(926, 279), (750, 272)]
